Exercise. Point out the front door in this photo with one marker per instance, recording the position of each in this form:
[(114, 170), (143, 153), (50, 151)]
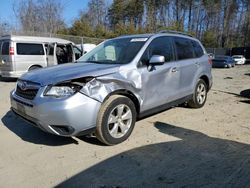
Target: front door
[(160, 82)]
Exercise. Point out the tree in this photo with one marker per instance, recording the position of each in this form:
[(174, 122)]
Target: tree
[(116, 14), (5, 28), (96, 12), (40, 16), (218, 23), (209, 39)]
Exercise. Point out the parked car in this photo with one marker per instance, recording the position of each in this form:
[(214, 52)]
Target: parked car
[(221, 61), (108, 89), (86, 47), (239, 59), (19, 54)]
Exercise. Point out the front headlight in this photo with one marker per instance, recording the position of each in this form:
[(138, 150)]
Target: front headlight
[(66, 89), (61, 91)]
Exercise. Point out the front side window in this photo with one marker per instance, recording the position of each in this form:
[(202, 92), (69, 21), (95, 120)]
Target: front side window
[(159, 46), (184, 48), (29, 49), (115, 51), (5, 48)]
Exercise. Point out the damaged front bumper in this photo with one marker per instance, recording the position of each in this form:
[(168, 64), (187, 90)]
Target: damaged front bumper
[(65, 117)]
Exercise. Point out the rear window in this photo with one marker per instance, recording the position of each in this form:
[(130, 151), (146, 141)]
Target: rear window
[(29, 49), (184, 48), (198, 51), (5, 48), (237, 56)]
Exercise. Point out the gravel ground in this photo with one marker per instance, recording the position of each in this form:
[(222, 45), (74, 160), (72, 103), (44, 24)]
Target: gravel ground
[(180, 147)]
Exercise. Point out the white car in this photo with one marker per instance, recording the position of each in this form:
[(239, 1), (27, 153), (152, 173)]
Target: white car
[(86, 47), (239, 59)]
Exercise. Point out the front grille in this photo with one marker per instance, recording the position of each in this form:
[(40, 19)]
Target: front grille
[(27, 93)]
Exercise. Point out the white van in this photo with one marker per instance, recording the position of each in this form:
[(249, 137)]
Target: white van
[(19, 54)]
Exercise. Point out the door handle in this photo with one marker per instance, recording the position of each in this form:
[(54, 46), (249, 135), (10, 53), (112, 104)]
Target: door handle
[(197, 63), (174, 69)]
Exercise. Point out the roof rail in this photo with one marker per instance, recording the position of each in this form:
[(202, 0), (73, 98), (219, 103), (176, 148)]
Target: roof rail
[(175, 32)]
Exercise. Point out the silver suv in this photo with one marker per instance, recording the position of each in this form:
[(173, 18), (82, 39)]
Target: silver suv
[(109, 88)]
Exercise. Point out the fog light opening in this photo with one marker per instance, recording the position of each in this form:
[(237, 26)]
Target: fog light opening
[(63, 129)]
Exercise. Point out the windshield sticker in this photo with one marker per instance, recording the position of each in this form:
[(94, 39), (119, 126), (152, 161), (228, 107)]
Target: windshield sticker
[(139, 40)]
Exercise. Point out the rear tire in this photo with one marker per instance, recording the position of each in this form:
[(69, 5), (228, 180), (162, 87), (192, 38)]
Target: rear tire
[(199, 96), (116, 120)]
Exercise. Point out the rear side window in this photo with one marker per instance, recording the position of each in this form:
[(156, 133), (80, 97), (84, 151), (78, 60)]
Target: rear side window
[(198, 51), (184, 48), (159, 46), (5, 48), (29, 49)]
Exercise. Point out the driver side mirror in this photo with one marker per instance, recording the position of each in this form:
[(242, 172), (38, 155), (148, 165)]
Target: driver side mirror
[(157, 60)]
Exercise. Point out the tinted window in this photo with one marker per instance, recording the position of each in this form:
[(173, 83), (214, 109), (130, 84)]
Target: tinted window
[(159, 46), (29, 49), (5, 48), (184, 48), (198, 51)]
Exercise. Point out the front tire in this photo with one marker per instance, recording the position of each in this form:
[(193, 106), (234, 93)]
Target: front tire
[(199, 96), (116, 120)]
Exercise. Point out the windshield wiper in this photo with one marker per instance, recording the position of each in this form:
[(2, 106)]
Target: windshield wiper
[(98, 62), (109, 61)]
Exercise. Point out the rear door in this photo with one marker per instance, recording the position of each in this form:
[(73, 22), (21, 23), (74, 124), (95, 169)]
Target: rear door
[(64, 53), (51, 54), (187, 64)]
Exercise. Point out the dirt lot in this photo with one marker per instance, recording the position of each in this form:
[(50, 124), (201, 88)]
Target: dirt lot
[(181, 147)]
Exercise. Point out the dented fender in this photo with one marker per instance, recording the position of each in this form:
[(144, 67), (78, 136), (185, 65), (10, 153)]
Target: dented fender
[(100, 87)]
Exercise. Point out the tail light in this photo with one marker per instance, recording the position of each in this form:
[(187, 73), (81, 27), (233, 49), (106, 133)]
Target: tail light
[(11, 51), (210, 61)]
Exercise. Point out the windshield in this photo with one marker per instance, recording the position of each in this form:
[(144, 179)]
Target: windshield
[(237, 56), (115, 51)]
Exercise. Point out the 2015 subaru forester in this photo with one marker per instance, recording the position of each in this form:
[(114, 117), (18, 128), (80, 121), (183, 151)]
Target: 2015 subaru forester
[(119, 81)]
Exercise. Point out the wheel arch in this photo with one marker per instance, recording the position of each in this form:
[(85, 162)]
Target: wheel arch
[(34, 65), (206, 80), (128, 94)]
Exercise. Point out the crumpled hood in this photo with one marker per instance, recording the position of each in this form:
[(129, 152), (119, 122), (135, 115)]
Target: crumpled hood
[(60, 73)]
